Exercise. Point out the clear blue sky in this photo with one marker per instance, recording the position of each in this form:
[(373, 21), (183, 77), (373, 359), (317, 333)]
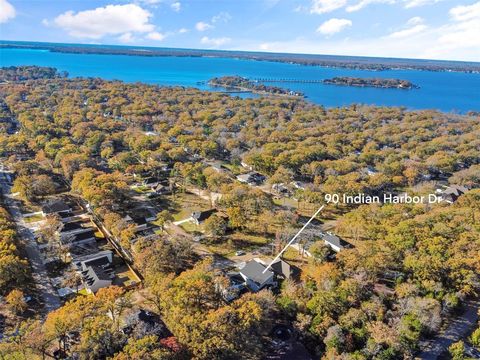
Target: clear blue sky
[(437, 29)]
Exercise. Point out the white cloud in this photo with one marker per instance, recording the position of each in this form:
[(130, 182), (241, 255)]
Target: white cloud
[(203, 26), (415, 20), (176, 6), (456, 39), (108, 20), (363, 3), (7, 11), (416, 3), (414, 26), (334, 26), (325, 6), (408, 32), (126, 38), (465, 13), (461, 35), (182, 31), (215, 42), (221, 17), (155, 35)]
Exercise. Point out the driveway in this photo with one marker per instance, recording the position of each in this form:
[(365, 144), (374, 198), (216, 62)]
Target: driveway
[(457, 329)]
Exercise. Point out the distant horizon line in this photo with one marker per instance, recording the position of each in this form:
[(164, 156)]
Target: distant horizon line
[(2, 41)]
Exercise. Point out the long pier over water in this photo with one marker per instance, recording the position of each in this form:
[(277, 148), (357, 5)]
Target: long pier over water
[(303, 81)]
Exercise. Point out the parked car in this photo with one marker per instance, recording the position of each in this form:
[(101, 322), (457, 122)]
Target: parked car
[(239, 253)]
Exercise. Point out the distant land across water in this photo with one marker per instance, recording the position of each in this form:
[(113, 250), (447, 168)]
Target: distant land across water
[(444, 85)]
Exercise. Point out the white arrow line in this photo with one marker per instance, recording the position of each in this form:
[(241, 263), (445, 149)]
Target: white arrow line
[(293, 239)]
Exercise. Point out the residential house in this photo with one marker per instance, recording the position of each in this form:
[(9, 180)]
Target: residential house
[(235, 288), (332, 241), (96, 270), (452, 193), (255, 276), (199, 217), (335, 243), (280, 189), (68, 216), (98, 258), (74, 227), (141, 222), (162, 189), (251, 178), (95, 278), (84, 238), (298, 185), (282, 269), (55, 207), (151, 182)]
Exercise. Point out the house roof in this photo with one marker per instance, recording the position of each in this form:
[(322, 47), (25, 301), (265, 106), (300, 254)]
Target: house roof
[(94, 274), (151, 180), (136, 219), (84, 235), (55, 206), (251, 177), (334, 240), (253, 270), (160, 187), (65, 215), (203, 215), (282, 268), (94, 255), (98, 262), (456, 190), (244, 177), (73, 225)]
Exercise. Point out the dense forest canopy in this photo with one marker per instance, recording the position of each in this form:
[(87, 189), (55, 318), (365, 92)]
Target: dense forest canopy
[(96, 134), (107, 120), (241, 83)]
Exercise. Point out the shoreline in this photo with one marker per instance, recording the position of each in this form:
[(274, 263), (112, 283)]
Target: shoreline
[(343, 62)]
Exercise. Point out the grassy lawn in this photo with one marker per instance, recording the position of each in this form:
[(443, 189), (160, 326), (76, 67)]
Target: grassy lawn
[(34, 218), (26, 208), (84, 292), (238, 241), (289, 202), (181, 205), (235, 169), (141, 189), (124, 277), (191, 227), (292, 256), (182, 214), (248, 240), (301, 207), (99, 234)]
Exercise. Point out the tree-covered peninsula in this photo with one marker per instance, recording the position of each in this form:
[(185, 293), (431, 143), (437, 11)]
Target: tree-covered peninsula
[(371, 82)]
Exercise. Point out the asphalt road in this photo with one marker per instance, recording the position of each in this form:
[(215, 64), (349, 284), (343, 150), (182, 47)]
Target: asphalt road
[(457, 329), (47, 292)]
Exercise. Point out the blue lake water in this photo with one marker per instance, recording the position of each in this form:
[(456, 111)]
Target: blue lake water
[(446, 91)]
